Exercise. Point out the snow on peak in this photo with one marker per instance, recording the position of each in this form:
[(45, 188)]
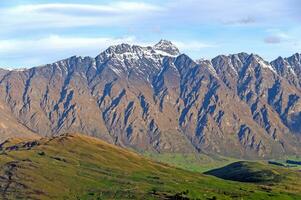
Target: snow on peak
[(263, 63), (142, 60), (296, 57), (200, 60), (13, 69), (165, 46), (129, 52)]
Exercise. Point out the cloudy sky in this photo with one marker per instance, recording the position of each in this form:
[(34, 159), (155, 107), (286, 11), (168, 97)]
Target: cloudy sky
[(36, 32)]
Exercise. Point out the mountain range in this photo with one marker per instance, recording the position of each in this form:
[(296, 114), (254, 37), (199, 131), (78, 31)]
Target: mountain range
[(158, 99)]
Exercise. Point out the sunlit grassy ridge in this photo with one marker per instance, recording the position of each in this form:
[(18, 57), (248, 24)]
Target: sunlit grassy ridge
[(79, 167)]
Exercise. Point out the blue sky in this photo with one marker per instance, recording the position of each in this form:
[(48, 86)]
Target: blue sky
[(36, 32)]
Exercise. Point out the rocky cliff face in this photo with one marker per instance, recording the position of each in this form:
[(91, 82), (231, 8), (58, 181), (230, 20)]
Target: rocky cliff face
[(156, 99)]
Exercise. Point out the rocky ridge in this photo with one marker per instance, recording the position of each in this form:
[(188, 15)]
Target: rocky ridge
[(157, 99)]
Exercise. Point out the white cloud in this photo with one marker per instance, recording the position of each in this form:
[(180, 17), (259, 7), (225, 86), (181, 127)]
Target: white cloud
[(141, 14), (57, 43), (192, 45), (54, 47), (276, 36), (35, 52), (62, 15), (173, 17), (59, 8), (232, 11), (117, 7), (272, 39)]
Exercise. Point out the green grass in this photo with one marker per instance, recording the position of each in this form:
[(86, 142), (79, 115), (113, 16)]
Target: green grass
[(291, 166), (203, 162), (79, 167), (248, 172), (273, 177), (190, 161)]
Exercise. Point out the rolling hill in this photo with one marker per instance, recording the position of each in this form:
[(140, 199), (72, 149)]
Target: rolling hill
[(257, 172), (80, 167)]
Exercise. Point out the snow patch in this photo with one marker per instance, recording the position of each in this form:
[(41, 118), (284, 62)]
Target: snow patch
[(212, 70), (264, 64), (267, 66), (291, 70), (163, 53), (14, 70), (116, 71)]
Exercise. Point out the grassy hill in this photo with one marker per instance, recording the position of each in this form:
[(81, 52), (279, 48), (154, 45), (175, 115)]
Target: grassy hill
[(80, 167), (248, 172), (196, 162), (276, 177)]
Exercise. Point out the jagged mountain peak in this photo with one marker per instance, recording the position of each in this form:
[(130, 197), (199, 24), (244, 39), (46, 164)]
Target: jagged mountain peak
[(280, 58), (200, 60), (231, 58), (167, 47), (118, 49), (255, 56), (256, 60), (295, 58), (121, 48), (185, 59), (279, 61), (297, 55), (219, 57), (5, 69), (126, 59), (232, 63), (127, 51), (240, 56), (236, 55), (289, 68)]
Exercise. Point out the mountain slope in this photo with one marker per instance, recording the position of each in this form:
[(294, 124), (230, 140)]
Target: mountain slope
[(156, 99), (76, 166)]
